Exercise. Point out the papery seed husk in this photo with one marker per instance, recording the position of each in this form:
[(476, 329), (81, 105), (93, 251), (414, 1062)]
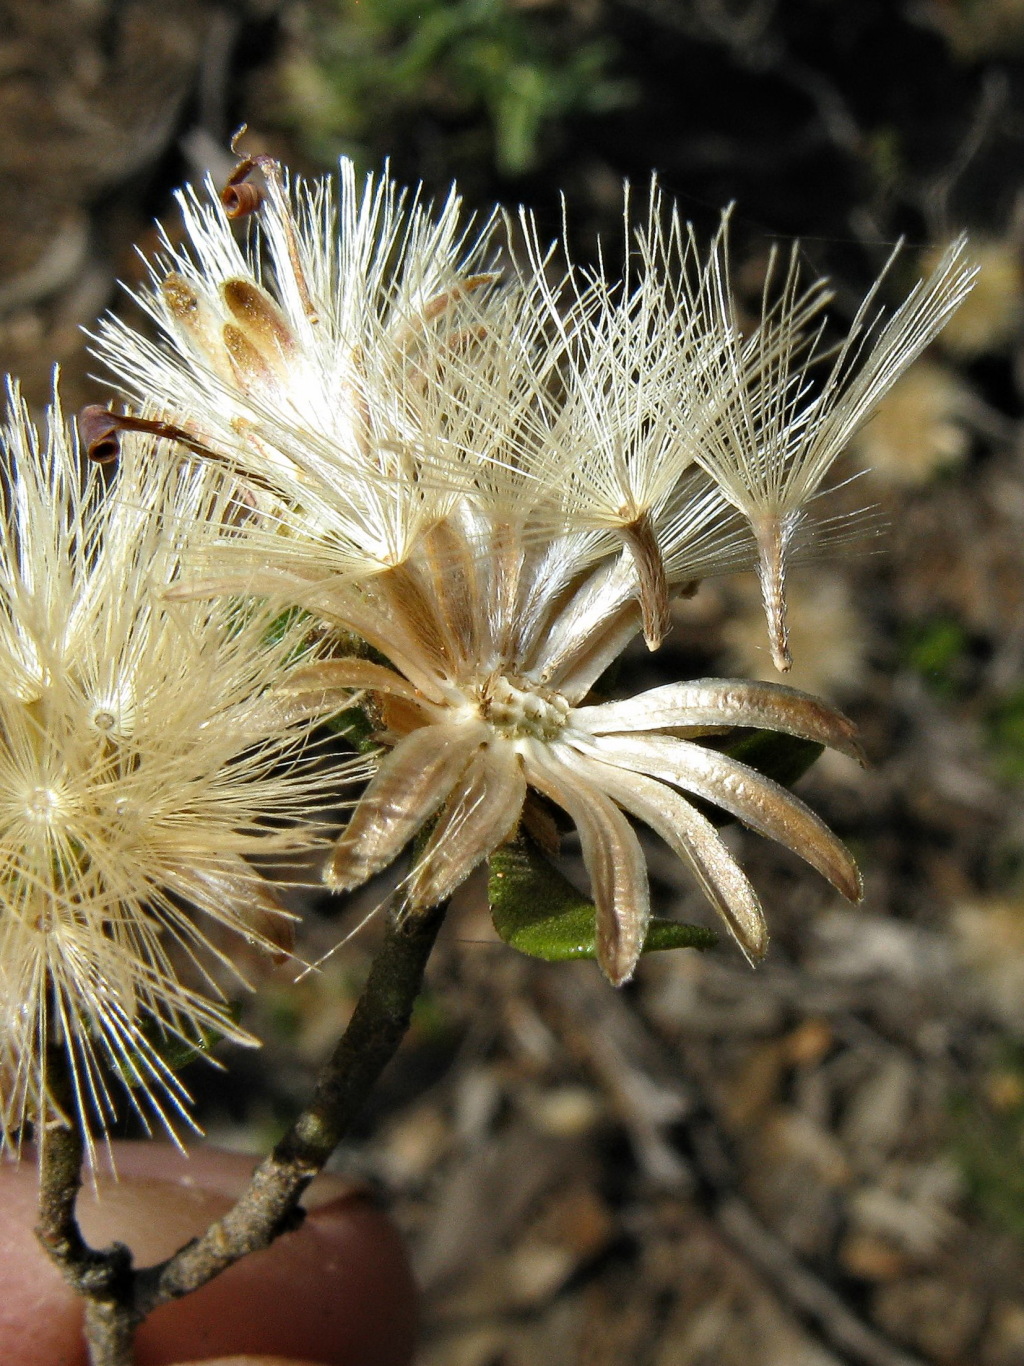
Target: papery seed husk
[(695, 840), (480, 814), (613, 859), (754, 799), (412, 782)]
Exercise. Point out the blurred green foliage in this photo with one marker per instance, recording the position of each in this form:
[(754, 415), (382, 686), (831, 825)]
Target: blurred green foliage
[(1005, 734), (988, 1143), (432, 1020), (355, 63), (937, 650)]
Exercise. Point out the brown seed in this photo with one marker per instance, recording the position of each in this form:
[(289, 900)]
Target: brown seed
[(248, 365), (652, 582), (180, 298), (259, 317)]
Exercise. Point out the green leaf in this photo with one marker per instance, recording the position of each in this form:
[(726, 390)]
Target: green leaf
[(539, 912), (355, 726)]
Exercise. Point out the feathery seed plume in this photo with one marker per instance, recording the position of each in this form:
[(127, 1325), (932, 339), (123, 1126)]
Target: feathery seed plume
[(496, 480), (777, 429), (141, 745)]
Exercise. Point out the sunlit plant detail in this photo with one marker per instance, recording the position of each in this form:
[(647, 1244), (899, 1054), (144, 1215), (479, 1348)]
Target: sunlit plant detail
[(496, 479), (141, 748), (788, 404)]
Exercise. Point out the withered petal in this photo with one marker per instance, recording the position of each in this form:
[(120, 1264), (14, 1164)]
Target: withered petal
[(746, 794), (480, 813), (234, 883), (381, 630), (412, 782), (331, 674), (725, 702), (693, 839), (613, 858)]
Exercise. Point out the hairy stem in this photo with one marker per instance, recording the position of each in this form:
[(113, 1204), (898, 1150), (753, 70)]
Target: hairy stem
[(117, 1297), (61, 1149)]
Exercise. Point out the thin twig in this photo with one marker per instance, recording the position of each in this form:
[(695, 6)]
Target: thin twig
[(807, 1293), (61, 1150), (269, 1206), (117, 1297)]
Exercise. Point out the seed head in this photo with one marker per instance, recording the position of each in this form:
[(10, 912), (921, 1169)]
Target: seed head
[(141, 744), (497, 479)]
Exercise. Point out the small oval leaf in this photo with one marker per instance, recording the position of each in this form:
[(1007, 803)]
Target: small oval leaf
[(538, 911)]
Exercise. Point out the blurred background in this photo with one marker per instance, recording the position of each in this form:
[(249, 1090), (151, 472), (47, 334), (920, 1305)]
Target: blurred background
[(814, 1164)]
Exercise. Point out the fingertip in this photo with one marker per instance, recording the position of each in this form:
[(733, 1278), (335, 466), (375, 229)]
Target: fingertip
[(250, 1361), (338, 1291)]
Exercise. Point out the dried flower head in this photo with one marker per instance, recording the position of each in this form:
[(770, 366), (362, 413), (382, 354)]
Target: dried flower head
[(140, 747), (496, 480)]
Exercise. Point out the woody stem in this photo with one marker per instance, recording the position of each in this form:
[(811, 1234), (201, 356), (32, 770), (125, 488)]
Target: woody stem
[(119, 1297)]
